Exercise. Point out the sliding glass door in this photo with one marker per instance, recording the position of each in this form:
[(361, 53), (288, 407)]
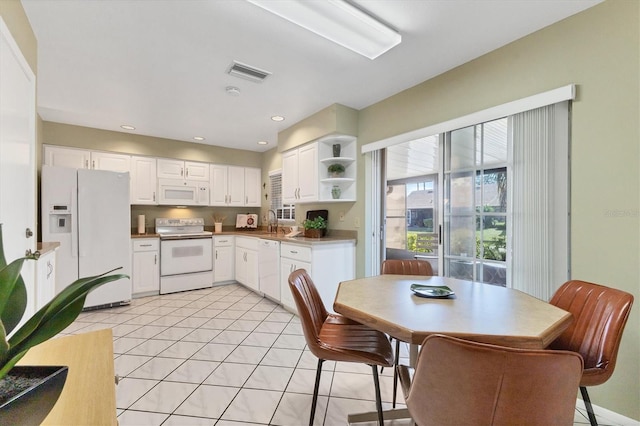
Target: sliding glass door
[(476, 213), (412, 201)]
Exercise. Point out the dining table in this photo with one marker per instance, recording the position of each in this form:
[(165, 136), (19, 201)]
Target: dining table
[(468, 310)]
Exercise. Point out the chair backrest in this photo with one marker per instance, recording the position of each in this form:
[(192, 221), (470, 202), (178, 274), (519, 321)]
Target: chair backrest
[(599, 316), (458, 382), (406, 267), (310, 307)]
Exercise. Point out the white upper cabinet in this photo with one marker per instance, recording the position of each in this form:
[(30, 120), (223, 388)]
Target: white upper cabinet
[(235, 186), (177, 169), (67, 157), (110, 161), (144, 183), (83, 159), (252, 177), (300, 174), (235, 182)]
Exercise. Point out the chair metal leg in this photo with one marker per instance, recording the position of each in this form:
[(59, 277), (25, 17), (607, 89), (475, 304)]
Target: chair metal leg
[(587, 404), (315, 392), (376, 382), (396, 361)]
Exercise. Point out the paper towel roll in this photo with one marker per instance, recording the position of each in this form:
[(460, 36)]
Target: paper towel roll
[(141, 225)]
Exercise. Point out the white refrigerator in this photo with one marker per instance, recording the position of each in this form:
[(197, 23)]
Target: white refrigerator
[(88, 213)]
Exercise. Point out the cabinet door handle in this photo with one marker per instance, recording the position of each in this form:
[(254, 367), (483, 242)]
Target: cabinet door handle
[(154, 195), (86, 164), (181, 171), (187, 173), (155, 259), (293, 251), (93, 164), (216, 254), (49, 269), (246, 199), (145, 245)]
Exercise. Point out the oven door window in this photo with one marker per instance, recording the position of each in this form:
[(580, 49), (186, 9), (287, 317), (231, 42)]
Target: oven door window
[(185, 256)]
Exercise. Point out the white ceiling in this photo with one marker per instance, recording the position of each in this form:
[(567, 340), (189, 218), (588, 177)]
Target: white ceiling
[(160, 65)]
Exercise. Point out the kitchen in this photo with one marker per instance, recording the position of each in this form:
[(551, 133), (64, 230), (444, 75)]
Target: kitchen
[(187, 255), (488, 80)]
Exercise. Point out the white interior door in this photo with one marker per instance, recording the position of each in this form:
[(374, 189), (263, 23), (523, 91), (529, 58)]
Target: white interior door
[(17, 157)]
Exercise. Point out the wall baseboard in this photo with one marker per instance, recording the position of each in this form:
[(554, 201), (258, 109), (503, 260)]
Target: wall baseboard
[(611, 416)]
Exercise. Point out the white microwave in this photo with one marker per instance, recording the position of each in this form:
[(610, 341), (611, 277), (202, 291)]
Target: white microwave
[(179, 192)]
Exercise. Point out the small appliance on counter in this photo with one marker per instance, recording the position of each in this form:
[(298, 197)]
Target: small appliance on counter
[(247, 221)]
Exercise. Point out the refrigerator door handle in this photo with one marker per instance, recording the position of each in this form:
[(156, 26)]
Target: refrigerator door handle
[(74, 223)]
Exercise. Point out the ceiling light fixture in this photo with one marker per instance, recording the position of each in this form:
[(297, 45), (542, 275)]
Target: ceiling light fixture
[(263, 143), (338, 21), (198, 138), (232, 91), (127, 127), (277, 118)]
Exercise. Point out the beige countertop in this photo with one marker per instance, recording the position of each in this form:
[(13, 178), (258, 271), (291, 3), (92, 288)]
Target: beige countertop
[(337, 237), (46, 247)]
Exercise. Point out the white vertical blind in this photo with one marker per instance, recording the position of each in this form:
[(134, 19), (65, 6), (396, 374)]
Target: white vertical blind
[(540, 244)]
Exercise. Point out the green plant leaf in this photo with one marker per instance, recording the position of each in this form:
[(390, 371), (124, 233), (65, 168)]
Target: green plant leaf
[(64, 302), (13, 294), (4, 345), (13, 300)]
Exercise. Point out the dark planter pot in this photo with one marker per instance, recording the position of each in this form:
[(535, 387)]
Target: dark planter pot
[(31, 406), (313, 233)]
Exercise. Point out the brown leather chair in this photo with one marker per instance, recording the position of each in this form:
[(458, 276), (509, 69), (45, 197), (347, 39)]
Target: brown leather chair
[(599, 316), (403, 267), (337, 338), (406, 267), (459, 382)]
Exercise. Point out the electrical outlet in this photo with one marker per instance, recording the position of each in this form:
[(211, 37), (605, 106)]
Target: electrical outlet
[(356, 222), (341, 216), (264, 218)]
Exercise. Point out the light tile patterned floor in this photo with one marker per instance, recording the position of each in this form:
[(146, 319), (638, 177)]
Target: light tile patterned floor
[(226, 356)]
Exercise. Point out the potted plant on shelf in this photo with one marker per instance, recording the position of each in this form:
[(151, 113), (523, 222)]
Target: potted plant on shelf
[(336, 170), (314, 228), (27, 394)]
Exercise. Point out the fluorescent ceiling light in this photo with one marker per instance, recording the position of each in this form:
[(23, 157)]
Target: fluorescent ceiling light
[(337, 21)]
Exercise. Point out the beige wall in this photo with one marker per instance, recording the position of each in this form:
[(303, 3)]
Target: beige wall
[(105, 140), (599, 50), (14, 16)]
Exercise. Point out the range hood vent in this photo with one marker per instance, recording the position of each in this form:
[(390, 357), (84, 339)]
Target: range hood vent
[(247, 72)]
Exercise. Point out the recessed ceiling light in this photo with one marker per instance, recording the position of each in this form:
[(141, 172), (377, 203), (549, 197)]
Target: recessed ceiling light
[(263, 143), (277, 118), (198, 138), (127, 127)]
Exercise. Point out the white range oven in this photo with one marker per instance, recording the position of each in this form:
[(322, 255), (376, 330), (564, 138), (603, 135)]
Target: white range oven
[(186, 261)]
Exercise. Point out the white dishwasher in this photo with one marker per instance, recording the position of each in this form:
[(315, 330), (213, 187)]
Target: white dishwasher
[(269, 268)]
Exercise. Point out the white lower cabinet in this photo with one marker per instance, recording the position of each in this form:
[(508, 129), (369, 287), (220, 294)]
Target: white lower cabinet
[(45, 279), (223, 258), (145, 266), (247, 262), (326, 263)]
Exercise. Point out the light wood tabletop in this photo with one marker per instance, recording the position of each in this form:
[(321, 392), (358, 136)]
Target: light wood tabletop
[(479, 312), (88, 397)]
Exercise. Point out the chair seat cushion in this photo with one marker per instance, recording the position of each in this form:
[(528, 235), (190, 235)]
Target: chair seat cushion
[(350, 341)]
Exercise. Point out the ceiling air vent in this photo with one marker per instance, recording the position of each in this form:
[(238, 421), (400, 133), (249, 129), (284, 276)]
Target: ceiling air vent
[(247, 72)]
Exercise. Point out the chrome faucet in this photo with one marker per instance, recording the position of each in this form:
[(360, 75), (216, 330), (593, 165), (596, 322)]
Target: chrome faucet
[(273, 224)]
